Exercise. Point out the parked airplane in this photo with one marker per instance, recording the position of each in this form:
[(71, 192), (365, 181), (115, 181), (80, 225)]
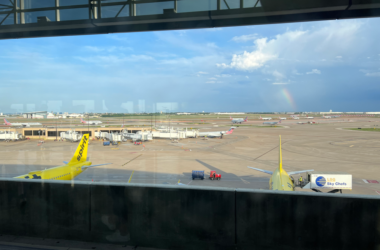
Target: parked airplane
[(265, 118), (295, 117), (280, 179), (22, 124), (90, 122), (271, 123), (70, 170), (335, 116), (239, 120), (309, 117), (327, 117), (282, 118), (217, 133)]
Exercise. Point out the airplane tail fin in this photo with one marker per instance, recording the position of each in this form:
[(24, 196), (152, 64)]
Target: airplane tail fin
[(81, 152), (81, 120), (280, 157), (246, 119), (6, 122), (230, 118), (230, 131), (260, 117)]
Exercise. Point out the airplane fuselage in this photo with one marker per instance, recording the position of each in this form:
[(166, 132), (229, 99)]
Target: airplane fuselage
[(280, 180), (63, 173)]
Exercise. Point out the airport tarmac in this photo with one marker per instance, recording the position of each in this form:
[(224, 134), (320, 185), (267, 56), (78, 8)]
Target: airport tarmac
[(325, 146)]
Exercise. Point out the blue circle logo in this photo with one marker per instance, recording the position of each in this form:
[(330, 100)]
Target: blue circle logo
[(320, 181)]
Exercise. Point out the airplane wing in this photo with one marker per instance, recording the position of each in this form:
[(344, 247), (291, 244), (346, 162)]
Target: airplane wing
[(298, 172), (98, 165), (66, 162), (262, 170), (85, 167)]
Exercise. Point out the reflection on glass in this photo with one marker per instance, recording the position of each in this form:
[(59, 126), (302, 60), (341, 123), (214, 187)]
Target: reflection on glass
[(153, 8)]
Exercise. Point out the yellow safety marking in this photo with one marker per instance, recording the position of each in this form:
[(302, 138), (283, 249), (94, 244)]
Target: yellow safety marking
[(130, 178), (115, 148), (351, 146)]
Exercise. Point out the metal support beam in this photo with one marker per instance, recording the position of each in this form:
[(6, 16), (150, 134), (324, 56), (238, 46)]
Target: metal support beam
[(271, 12), (132, 8), (22, 14), (15, 14), (57, 12), (99, 8)]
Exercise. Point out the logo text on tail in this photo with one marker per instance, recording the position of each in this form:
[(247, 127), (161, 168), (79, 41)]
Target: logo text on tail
[(82, 148)]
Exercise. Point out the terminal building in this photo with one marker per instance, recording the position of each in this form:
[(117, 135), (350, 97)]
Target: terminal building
[(35, 114), (52, 133)]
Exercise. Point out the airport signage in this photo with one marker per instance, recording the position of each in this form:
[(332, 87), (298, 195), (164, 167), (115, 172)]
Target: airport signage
[(331, 181)]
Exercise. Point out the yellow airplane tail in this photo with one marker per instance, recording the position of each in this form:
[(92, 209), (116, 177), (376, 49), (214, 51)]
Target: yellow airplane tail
[(280, 157), (81, 152)]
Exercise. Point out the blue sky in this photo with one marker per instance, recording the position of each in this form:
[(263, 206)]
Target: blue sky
[(314, 66)]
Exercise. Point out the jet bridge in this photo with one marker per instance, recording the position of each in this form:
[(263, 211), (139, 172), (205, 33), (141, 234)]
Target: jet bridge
[(36, 18)]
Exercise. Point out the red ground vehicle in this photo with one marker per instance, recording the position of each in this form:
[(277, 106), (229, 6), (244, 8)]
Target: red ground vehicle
[(215, 176)]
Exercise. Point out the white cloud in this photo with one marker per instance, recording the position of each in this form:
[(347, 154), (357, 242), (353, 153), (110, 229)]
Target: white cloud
[(223, 75), (371, 73), (279, 83), (339, 57), (278, 75), (212, 45), (111, 59), (210, 82), (107, 49), (314, 71), (202, 73), (119, 38), (247, 77), (295, 72), (213, 78), (244, 38), (251, 60), (302, 46)]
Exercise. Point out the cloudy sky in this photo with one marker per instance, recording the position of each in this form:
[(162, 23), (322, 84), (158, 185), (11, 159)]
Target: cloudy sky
[(314, 66)]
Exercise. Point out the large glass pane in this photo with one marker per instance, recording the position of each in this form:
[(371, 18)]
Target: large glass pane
[(39, 16), (6, 19), (72, 2), (153, 8), (74, 14), (196, 5), (249, 3), (112, 11), (5, 5), (229, 4), (33, 4)]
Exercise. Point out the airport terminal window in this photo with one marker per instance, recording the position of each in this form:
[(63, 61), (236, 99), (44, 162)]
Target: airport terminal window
[(28, 132), (234, 109), (193, 100), (54, 133)]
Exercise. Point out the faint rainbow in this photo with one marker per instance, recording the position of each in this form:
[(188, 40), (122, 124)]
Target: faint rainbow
[(289, 98)]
